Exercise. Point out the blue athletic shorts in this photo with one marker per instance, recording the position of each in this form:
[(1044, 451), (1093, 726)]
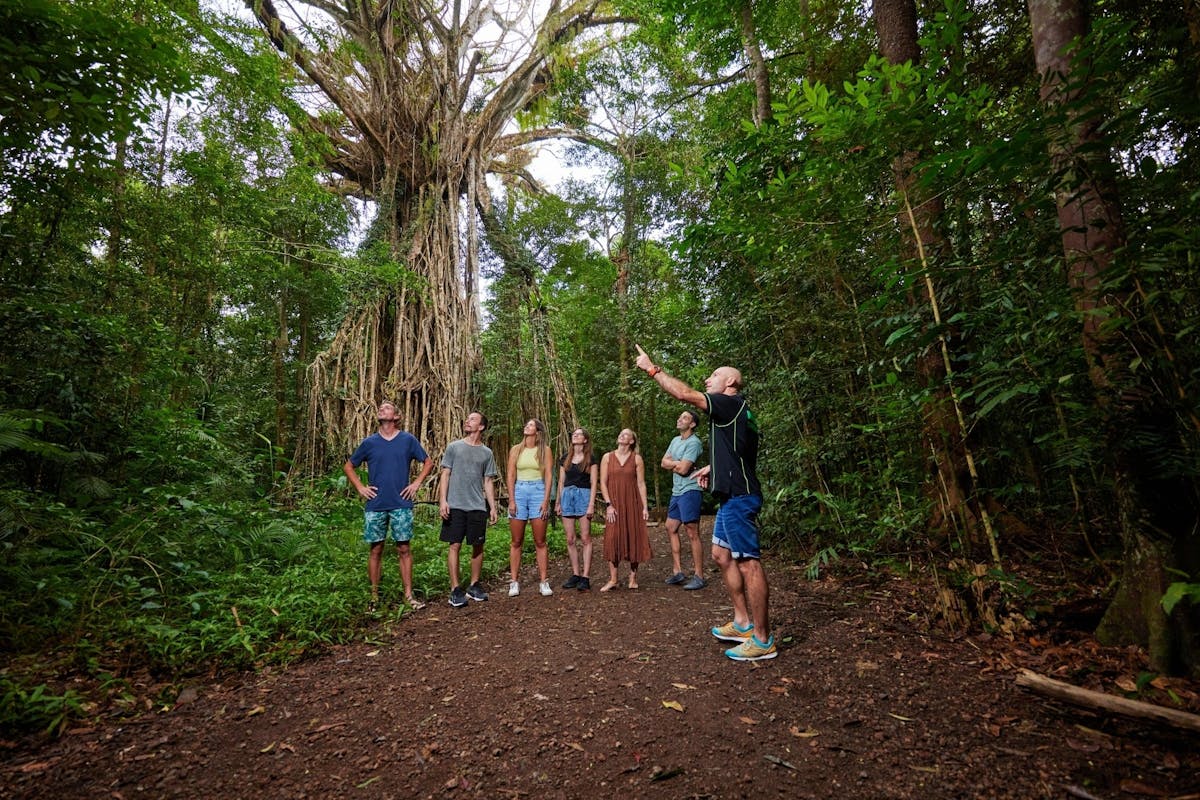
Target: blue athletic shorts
[(685, 507), (376, 524), (575, 501), (528, 496), (736, 527)]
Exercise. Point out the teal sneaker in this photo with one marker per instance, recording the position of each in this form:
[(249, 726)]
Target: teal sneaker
[(732, 632), (753, 650)]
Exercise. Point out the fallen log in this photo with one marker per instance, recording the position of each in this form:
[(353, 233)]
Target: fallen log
[(1107, 702)]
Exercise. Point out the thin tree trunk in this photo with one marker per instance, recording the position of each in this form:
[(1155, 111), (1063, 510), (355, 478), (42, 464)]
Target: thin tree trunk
[(949, 482), (758, 64)]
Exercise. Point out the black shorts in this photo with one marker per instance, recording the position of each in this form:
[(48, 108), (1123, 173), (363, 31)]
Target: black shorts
[(468, 526)]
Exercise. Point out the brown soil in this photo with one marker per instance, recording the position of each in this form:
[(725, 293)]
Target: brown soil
[(584, 695)]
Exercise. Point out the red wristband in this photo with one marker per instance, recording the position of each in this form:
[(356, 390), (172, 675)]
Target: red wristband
[(654, 370)]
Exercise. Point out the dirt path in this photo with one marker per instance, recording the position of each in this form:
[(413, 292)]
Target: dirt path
[(565, 697)]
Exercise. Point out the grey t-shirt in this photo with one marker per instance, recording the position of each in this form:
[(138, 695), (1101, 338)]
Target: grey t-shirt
[(469, 465)]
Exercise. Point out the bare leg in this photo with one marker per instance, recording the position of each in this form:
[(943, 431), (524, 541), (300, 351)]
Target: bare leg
[(572, 555), (452, 564), (476, 562), (585, 534), (540, 550), (673, 534), (633, 584), (516, 528), (693, 532), (733, 584), (758, 595), (612, 577), (375, 566), (404, 556)]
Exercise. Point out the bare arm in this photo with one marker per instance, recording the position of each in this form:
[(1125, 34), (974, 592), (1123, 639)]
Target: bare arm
[(595, 473), (562, 482), (365, 492), (410, 492), (641, 479), (610, 514), (489, 491), (513, 453), (547, 482), (670, 384), (680, 467), (443, 484)]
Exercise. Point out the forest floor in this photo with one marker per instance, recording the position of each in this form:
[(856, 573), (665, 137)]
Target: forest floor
[(625, 693)]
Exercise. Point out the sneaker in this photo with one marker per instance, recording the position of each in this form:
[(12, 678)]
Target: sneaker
[(675, 579), (753, 650), (694, 583), (476, 593), (514, 588), (732, 632), (584, 585), (572, 582), (458, 598), (544, 588)]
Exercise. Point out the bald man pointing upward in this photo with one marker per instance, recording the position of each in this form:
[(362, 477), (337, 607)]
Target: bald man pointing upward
[(731, 476)]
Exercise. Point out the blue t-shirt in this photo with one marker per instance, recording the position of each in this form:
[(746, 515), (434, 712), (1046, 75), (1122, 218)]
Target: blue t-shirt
[(389, 467), (733, 440)]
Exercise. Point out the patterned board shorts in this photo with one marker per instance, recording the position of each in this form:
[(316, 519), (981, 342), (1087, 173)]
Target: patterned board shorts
[(376, 524)]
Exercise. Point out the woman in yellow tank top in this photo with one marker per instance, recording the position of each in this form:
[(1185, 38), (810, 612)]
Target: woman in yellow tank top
[(529, 480)]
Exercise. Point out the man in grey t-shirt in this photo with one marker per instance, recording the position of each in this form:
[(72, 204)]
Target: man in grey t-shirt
[(467, 502)]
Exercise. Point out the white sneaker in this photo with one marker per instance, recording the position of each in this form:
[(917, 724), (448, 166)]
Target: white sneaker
[(544, 588), (514, 588)]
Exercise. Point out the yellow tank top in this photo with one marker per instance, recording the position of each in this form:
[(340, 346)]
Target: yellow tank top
[(527, 465)]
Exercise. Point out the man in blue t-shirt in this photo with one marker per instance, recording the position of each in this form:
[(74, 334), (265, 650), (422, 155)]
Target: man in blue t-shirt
[(684, 512), (732, 476), (388, 455)]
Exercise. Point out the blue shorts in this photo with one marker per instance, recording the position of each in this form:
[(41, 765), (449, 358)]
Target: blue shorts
[(736, 527), (575, 501), (376, 524), (685, 507), (528, 496)]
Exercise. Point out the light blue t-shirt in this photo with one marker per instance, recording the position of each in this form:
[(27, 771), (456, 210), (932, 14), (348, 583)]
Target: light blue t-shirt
[(688, 449)]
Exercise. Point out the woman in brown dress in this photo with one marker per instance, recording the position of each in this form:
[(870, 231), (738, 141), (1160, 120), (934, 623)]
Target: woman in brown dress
[(623, 487)]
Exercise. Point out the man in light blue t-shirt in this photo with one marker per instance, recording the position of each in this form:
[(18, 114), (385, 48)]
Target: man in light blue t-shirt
[(680, 460)]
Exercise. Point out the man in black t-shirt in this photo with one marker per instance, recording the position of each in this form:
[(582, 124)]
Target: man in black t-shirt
[(732, 477)]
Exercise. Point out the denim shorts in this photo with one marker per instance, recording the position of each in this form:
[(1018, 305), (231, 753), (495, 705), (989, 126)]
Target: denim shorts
[(575, 501), (736, 526), (528, 496), (685, 507), (376, 524)]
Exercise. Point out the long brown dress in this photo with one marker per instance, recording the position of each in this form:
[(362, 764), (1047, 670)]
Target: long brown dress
[(627, 538)]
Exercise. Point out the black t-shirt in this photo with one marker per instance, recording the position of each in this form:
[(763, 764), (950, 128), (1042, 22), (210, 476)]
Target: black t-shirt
[(733, 442), (576, 475)]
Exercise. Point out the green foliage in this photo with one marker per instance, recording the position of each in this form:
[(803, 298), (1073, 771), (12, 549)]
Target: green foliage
[(36, 707), (75, 76), (1178, 592)]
